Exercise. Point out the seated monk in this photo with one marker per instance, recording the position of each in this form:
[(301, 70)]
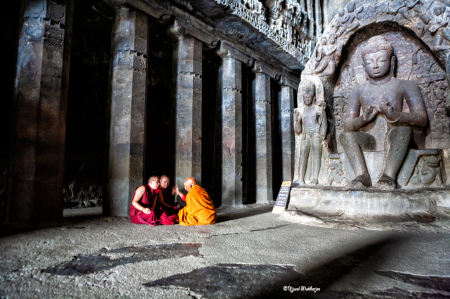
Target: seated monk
[(148, 206), (167, 194), (199, 209)]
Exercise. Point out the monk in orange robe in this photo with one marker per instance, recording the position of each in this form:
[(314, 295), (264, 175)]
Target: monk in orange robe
[(199, 209)]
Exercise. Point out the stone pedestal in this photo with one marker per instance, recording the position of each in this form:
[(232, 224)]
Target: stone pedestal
[(231, 130), (40, 105), (263, 122), (187, 69), (128, 108), (370, 206), (287, 128)]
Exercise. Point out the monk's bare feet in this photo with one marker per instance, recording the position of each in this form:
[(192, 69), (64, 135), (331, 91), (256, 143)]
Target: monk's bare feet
[(314, 182), (362, 181), (386, 183)]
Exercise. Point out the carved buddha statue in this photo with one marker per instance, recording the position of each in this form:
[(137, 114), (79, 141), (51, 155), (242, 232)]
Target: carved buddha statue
[(382, 96)]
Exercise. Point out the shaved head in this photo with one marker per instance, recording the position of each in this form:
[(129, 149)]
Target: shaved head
[(153, 178), (153, 182), (189, 183)]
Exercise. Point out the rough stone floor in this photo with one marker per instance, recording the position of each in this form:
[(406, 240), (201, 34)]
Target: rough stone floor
[(249, 253)]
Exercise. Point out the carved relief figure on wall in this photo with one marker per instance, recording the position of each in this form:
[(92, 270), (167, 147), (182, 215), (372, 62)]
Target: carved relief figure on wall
[(325, 56), (310, 122), (382, 96), (346, 18), (439, 25)]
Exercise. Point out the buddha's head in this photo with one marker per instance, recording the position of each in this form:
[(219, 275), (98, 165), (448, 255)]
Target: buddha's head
[(308, 92), (378, 58)]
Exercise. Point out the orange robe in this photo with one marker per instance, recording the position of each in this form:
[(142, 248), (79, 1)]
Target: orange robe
[(199, 209)]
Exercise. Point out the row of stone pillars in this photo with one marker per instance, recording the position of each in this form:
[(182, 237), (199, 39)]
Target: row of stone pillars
[(37, 168), (127, 149)]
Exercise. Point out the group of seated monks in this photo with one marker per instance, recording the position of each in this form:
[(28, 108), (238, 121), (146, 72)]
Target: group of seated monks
[(153, 204)]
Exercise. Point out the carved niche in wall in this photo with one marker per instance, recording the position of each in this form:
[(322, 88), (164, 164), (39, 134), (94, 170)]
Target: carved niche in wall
[(419, 33), (414, 62)]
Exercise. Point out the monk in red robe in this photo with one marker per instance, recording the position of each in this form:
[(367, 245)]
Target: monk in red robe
[(199, 209), (148, 206), (167, 193)]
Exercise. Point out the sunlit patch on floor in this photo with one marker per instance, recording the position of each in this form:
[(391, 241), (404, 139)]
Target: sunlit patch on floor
[(107, 259)]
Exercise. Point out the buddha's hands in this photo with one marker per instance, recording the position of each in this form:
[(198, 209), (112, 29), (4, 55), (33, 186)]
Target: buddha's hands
[(389, 112), (369, 114)]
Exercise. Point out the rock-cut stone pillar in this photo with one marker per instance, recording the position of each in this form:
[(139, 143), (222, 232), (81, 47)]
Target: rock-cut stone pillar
[(262, 107), (287, 127), (187, 70), (231, 129), (128, 96), (40, 106)]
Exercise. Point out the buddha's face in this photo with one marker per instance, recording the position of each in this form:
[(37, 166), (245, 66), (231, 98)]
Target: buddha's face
[(378, 64), (308, 96)]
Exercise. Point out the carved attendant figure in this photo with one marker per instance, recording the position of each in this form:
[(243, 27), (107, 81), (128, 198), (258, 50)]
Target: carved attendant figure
[(326, 57), (383, 95), (312, 124)]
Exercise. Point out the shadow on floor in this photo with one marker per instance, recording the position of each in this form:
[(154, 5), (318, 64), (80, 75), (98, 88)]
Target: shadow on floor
[(273, 281)]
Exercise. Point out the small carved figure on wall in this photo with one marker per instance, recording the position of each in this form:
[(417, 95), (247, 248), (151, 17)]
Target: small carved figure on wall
[(346, 18), (399, 6), (336, 172), (382, 96), (438, 25), (326, 57), (310, 122), (427, 172)]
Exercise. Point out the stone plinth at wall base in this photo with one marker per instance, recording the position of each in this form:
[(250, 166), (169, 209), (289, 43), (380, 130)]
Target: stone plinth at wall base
[(341, 208)]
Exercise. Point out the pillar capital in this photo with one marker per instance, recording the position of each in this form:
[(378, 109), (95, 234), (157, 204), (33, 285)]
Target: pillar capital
[(288, 80), (129, 35), (226, 51), (261, 67), (176, 30)]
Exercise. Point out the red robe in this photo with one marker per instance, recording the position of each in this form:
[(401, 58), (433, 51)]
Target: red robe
[(168, 197), (161, 213)]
